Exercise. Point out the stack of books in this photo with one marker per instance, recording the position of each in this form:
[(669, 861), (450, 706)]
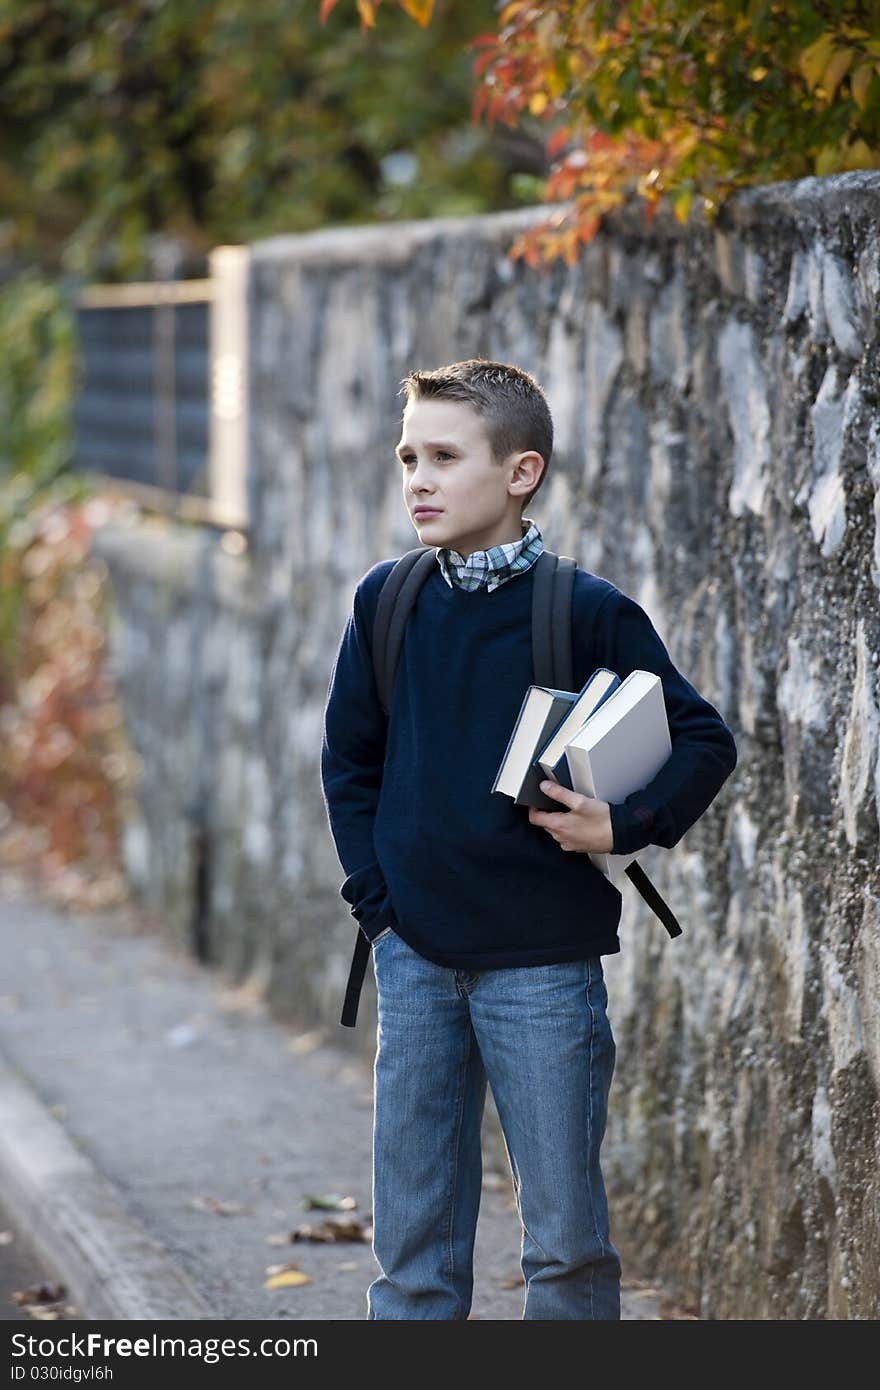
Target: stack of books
[(607, 740)]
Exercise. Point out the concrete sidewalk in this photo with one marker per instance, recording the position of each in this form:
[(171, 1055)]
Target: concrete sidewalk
[(156, 1128)]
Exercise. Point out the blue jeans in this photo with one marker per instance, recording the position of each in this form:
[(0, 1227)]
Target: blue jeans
[(540, 1035)]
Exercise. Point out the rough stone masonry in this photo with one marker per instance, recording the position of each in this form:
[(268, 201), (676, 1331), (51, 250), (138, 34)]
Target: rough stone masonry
[(716, 394)]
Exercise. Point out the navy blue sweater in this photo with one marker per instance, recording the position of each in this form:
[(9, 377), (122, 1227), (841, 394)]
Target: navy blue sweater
[(458, 871)]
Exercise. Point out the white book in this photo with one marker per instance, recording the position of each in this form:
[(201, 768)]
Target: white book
[(518, 776), (619, 749), (552, 756)]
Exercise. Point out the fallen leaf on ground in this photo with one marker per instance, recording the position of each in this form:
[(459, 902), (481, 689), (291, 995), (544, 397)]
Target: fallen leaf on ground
[(285, 1276), (355, 1228), (286, 1267), (331, 1201), (40, 1293)]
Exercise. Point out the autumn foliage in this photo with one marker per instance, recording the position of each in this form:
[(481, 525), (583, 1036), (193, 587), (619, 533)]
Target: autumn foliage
[(674, 101), (67, 768)]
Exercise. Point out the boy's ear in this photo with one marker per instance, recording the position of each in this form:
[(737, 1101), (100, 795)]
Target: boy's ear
[(536, 466)]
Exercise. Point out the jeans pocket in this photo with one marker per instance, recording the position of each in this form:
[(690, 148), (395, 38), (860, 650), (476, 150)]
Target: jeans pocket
[(384, 932)]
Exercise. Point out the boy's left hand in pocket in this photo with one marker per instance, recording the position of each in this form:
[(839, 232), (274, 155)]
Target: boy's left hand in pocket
[(585, 826)]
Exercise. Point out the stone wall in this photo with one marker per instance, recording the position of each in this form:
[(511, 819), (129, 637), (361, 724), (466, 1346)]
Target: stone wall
[(716, 395)]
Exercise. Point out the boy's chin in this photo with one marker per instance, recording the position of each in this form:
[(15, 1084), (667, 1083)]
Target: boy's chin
[(432, 533)]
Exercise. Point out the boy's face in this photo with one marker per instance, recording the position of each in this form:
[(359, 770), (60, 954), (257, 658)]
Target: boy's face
[(447, 467)]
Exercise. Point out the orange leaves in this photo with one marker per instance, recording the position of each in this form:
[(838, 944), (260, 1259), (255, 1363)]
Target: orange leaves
[(480, 64), (509, 11), (595, 177), (365, 8), (540, 245), (566, 175), (481, 40), (494, 105), (419, 10), (557, 140), (367, 12)]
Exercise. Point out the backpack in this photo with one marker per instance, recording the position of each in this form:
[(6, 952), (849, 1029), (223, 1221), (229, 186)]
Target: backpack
[(552, 662)]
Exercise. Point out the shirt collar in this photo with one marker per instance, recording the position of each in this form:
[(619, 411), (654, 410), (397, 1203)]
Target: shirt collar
[(494, 566)]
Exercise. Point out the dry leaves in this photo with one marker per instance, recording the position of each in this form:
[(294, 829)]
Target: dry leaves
[(332, 1229), (354, 1228), (67, 769), (45, 1302), (285, 1276)]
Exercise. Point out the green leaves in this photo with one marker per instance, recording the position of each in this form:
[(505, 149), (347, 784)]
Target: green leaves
[(227, 120)]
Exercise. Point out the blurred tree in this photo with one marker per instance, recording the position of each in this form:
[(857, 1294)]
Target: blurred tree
[(227, 120), (127, 126)]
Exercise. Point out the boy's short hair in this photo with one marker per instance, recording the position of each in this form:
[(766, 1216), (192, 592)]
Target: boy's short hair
[(513, 406)]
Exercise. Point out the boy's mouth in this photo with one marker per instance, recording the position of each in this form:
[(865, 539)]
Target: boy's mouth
[(424, 513)]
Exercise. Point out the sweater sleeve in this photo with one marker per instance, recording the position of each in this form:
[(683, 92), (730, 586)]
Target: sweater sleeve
[(352, 761), (703, 749)]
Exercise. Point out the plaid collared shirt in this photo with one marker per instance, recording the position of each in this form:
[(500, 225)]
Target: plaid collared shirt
[(493, 566)]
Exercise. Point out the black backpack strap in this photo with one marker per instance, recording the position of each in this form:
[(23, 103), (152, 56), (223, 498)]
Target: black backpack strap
[(637, 876), (551, 620), (355, 980), (561, 627), (397, 596), (542, 610), (395, 604)]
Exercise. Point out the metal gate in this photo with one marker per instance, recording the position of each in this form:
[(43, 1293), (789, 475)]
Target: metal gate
[(161, 404)]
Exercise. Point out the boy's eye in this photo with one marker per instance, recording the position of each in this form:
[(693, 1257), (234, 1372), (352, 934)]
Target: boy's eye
[(441, 454)]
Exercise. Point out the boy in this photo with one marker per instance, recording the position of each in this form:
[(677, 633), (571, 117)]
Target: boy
[(488, 920)]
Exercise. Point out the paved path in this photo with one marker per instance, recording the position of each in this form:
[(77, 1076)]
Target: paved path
[(140, 1095)]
